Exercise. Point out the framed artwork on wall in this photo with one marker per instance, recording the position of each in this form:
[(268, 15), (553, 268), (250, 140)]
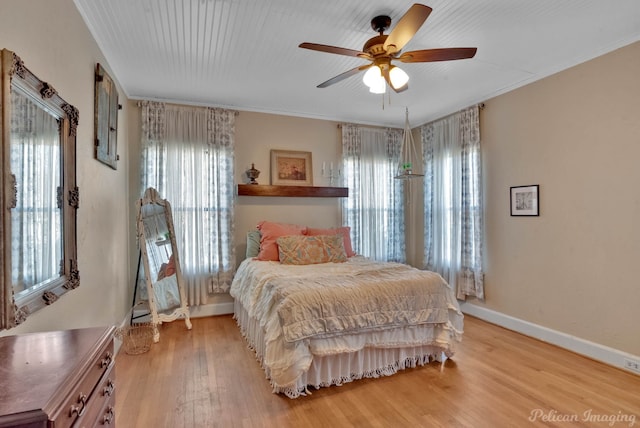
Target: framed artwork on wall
[(106, 118), (291, 168), (525, 200)]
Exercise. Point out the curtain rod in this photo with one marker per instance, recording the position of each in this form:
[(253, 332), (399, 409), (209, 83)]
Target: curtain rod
[(235, 112), (479, 105)]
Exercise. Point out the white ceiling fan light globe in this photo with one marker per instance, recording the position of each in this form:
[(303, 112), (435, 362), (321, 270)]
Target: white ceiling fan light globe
[(372, 77), (398, 77), (380, 87)]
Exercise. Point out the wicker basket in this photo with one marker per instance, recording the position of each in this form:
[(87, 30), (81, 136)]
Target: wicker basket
[(136, 338)]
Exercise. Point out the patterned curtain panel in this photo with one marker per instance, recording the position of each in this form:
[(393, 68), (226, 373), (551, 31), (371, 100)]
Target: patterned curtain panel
[(453, 220), (188, 157), (374, 209)]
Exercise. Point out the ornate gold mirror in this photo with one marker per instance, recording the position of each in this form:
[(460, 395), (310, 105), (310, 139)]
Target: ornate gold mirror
[(39, 197), (165, 294)]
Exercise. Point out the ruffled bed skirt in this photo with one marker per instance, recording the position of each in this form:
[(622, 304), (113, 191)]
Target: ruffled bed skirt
[(336, 369)]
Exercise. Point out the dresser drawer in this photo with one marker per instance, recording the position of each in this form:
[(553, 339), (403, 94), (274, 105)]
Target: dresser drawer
[(107, 416), (80, 401), (103, 397), (57, 379)]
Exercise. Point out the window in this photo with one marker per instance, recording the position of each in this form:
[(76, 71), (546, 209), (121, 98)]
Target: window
[(453, 223), (188, 157), (374, 209)]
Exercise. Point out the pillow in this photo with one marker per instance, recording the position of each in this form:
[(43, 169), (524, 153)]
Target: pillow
[(253, 244), (345, 231), (306, 250), (269, 232), (171, 266), (167, 269)]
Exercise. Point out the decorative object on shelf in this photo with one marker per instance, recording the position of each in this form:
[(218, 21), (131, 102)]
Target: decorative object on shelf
[(106, 118), (408, 154), (330, 173), (525, 201), (291, 168), (253, 173)]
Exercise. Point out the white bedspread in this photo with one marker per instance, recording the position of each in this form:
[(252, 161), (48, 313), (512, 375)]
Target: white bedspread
[(333, 308)]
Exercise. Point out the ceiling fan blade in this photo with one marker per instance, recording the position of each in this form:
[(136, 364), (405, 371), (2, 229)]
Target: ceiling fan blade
[(432, 55), (387, 78), (340, 77), (334, 50), (406, 27)]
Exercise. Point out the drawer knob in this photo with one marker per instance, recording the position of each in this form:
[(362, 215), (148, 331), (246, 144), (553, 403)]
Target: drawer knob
[(108, 417), (106, 360), (108, 390), (78, 410)]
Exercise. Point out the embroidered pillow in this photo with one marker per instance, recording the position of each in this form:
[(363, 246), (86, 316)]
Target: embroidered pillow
[(269, 232), (345, 231), (307, 250)]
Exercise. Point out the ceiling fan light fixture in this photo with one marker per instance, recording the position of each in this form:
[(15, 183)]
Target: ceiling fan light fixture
[(373, 77), (384, 48), (380, 87), (398, 77)]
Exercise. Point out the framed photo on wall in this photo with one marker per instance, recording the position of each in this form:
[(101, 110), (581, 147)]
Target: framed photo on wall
[(525, 200), (291, 168)]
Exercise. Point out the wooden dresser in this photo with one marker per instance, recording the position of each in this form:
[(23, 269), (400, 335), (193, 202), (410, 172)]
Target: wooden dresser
[(58, 379)]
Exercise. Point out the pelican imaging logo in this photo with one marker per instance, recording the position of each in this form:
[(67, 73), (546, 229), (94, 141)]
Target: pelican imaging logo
[(588, 416)]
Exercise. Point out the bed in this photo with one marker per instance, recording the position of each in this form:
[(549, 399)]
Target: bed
[(328, 323)]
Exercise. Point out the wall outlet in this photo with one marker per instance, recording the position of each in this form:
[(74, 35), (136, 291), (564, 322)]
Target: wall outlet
[(632, 365)]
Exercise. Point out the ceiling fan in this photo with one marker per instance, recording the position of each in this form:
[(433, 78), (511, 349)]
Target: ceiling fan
[(384, 48)]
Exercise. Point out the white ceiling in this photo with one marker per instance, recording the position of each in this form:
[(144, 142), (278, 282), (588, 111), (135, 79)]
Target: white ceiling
[(244, 54)]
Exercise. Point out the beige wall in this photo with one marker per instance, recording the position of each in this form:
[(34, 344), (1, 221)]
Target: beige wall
[(576, 268), (573, 269), (53, 41), (256, 135)]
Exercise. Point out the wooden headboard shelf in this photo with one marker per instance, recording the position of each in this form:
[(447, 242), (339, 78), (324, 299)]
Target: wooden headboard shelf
[(299, 191)]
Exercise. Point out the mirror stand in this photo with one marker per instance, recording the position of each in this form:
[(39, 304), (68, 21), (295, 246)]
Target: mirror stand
[(161, 262)]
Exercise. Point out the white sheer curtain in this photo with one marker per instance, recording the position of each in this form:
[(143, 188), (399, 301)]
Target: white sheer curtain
[(36, 220), (453, 220), (374, 209), (188, 157)]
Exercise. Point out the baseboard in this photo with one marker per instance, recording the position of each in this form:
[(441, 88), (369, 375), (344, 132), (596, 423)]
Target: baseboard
[(575, 344), (212, 310)]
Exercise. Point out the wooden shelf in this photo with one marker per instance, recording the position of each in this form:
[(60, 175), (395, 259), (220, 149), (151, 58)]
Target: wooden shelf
[(301, 191)]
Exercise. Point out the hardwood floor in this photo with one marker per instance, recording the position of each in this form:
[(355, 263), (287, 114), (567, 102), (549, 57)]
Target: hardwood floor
[(207, 377)]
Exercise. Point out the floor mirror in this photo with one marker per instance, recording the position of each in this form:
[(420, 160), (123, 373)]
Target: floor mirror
[(165, 288)]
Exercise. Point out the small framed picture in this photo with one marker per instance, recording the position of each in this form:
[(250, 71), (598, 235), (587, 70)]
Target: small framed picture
[(525, 201), (291, 168)]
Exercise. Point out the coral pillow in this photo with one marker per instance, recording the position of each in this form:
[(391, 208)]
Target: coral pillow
[(167, 269), (171, 266), (307, 250), (269, 232), (345, 231)]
